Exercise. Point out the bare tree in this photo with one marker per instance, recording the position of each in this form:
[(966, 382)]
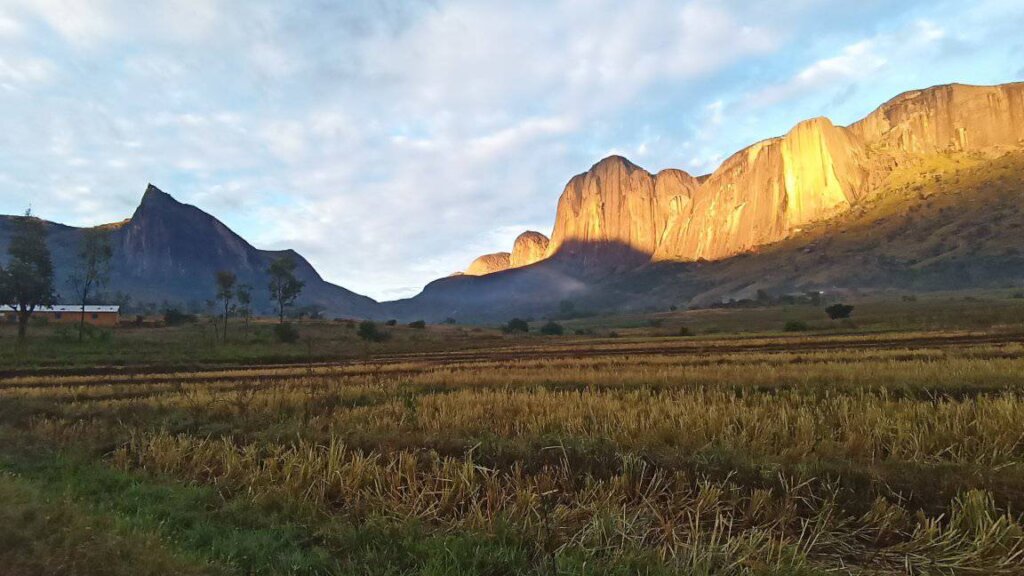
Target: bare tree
[(226, 293), (244, 295), (92, 268)]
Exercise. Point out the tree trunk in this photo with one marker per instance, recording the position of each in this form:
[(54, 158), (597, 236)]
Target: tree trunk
[(81, 322), (23, 316), (224, 336)]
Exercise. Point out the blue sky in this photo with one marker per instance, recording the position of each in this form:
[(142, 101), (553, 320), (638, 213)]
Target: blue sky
[(393, 141)]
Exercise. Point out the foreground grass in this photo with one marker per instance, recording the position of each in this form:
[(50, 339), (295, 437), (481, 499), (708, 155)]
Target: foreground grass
[(764, 456)]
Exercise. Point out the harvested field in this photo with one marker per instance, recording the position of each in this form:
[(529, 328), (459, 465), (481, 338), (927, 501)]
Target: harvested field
[(891, 453)]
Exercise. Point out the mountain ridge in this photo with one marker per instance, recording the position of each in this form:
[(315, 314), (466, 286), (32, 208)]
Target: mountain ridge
[(168, 252), (617, 218), (768, 190), (626, 238)]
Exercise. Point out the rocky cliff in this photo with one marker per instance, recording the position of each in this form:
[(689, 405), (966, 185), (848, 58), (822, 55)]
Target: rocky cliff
[(618, 216), (530, 247), (489, 264), (954, 117)]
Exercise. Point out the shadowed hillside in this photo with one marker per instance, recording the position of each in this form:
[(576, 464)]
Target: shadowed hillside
[(169, 252)]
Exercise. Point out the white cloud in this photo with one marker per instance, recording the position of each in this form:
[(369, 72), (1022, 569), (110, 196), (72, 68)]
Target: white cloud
[(391, 141), (80, 22), (856, 62), (9, 27), (24, 71)]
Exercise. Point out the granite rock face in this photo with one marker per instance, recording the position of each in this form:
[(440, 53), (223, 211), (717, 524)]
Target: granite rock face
[(489, 264), (766, 191), (953, 117), (618, 214), (530, 247)]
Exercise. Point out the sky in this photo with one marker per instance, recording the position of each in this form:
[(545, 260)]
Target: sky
[(391, 142)]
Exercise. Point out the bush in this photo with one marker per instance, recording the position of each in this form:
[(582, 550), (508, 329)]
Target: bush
[(516, 325), (368, 331), (175, 317), (655, 322), (1019, 295), (391, 322), (449, 320), (795, 326), (552, 328), (418, 324), (286, 333), (613, 334), (839, 311), (684, 331)]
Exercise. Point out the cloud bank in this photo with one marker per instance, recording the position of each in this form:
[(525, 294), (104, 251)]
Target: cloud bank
[(393, 141)]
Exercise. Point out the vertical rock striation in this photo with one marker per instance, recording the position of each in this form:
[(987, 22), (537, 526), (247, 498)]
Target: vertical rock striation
[(529, 247), (617, 215)]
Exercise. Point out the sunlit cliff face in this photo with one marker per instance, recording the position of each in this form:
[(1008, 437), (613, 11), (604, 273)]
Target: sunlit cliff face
[(528, 248), (489, 264), (769, 190)]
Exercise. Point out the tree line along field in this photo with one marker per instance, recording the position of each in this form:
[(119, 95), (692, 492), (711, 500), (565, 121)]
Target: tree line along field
[(201, 344), (845, 451)]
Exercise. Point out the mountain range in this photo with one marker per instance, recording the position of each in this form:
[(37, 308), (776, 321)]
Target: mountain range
[(923, 193)]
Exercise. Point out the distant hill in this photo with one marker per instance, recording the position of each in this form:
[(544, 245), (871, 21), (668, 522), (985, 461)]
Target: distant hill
[(167, 253)]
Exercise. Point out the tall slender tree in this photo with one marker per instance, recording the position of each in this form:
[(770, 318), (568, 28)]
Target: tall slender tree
[(27, 281), (226, 293), (244, 295), (92, 268), (284, 286)]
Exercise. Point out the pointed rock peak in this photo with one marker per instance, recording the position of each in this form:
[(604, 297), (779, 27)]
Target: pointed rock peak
[(155, 196)]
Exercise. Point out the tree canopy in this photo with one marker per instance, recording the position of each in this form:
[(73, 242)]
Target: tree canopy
[(284, 286), (26, 283)]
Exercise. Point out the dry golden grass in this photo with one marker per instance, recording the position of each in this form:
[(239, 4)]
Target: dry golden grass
[(755, 460)]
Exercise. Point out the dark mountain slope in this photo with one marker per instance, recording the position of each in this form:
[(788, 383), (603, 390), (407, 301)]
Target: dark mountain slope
[(169, 252)]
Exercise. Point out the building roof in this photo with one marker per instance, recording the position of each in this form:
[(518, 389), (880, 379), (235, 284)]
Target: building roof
[(68, 308)]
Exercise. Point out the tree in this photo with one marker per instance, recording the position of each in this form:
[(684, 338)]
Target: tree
[(552, 328), (839, 311), (795, 326), (175, 317), (244, 295), (369, 331), (284, 286), (226, 293), (92, 268), (516, 325), (418, 324), (27, 282)]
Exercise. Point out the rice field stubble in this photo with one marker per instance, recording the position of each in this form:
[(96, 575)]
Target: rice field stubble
[(880, 454)]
